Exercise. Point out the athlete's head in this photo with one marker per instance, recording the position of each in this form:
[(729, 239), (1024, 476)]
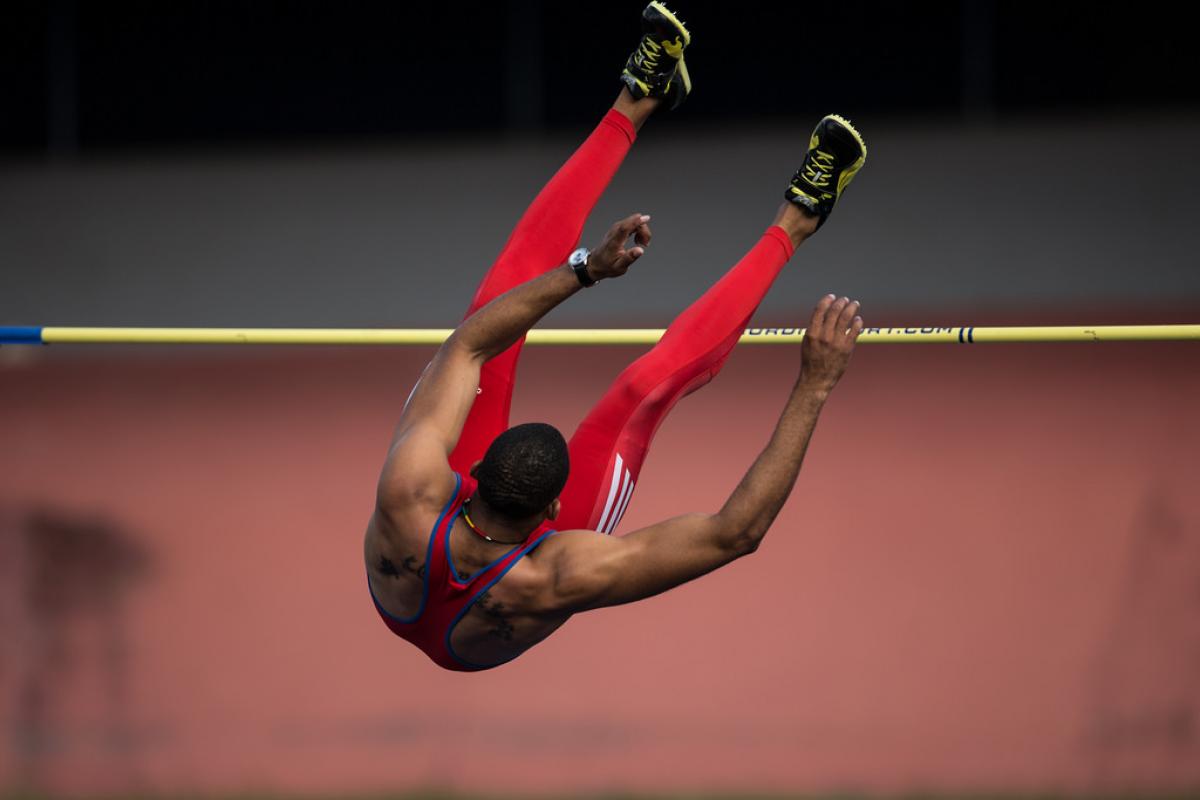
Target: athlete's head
[(523, 471)]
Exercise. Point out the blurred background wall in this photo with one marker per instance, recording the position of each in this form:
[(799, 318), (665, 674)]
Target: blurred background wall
[(986, 580)]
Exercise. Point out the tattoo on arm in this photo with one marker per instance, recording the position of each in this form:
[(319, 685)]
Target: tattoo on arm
[(410, 564), (498, 615), (386, 567)]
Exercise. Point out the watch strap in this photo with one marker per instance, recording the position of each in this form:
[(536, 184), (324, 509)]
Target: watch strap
[(580, 268)]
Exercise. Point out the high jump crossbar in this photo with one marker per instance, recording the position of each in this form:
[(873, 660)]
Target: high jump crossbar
[(966, 334)]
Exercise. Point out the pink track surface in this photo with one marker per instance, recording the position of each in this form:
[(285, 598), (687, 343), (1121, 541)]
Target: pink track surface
[(986, 579)]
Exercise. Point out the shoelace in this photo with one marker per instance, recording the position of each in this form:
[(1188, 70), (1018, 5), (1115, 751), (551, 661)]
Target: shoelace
[(819, 169), (649, 51)]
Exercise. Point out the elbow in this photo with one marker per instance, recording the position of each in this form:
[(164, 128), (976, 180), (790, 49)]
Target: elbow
[(462, 345), (460, 342), (751, 544), (748, 541), (742, 540), (741, 528)]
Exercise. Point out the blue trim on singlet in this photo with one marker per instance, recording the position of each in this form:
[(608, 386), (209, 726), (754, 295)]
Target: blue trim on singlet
[(450, 559), (428, 563), (454, 623)]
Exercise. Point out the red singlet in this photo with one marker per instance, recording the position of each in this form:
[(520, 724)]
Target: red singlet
[(445, 599)]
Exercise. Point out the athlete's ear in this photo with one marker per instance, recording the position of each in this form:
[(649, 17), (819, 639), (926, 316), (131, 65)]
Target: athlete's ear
[(474, 468), (553, 509)]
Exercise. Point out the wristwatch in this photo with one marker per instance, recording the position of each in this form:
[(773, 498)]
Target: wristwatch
[(579, 261)]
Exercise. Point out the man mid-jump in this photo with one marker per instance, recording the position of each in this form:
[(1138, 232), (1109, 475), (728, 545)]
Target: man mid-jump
[(485, 539)]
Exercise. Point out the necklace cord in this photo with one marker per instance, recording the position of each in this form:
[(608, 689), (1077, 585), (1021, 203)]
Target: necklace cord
[(467, 518)]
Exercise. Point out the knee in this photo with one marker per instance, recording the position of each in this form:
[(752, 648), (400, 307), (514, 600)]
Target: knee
[(644, 377)]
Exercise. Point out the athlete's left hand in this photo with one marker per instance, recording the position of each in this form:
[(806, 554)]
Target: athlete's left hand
[(612, 258)]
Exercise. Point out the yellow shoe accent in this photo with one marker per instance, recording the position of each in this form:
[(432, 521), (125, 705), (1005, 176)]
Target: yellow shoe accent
[(836, 152), (804, 197), (682, 74), (641, 84), (656, 68)]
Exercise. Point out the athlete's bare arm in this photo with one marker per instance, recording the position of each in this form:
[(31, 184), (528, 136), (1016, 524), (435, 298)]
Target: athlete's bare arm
[(416, 469), (589, 571)]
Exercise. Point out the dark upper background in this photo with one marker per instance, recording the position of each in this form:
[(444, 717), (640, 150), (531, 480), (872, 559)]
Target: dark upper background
[(94, 75), (360, 163)]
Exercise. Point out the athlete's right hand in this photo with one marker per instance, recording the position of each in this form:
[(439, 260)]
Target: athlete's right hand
[(611, 259), (829, 341)]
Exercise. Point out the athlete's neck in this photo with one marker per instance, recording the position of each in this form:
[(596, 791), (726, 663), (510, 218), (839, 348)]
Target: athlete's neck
[(492, 527)]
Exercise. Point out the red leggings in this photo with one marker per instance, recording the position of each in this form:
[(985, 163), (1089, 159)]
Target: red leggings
[(608, 449)]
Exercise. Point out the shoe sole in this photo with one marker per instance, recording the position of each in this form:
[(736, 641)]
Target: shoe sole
[(674, 20), (845, 123), (852, 170)]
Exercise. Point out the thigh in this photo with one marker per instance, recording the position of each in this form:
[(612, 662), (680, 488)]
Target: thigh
[(611, 444)]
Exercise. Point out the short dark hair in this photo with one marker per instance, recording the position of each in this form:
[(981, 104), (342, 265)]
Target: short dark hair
[(523, 470)]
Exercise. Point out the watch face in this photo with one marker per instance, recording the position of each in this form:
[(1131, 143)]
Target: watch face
[(578, 257)]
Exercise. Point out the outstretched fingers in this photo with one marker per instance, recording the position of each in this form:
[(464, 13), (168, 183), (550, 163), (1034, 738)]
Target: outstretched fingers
[(830, 340), (836, 317), (846, 318), (817, 323), (833, 316)]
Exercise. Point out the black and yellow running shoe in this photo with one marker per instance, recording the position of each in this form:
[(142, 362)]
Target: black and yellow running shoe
[(656, 68), (836, 152)]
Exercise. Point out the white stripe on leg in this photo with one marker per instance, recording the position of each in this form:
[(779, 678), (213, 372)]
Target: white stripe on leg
[(620, 512), (612, 493)]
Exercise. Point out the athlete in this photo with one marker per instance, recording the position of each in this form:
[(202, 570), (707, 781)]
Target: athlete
[(485, 539)]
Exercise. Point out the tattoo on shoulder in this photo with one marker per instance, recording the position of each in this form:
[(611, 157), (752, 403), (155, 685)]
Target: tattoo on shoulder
[(498, 615), (387, 567), (411, 565)]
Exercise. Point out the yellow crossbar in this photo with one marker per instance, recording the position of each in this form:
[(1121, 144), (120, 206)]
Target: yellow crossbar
[(594, 336)]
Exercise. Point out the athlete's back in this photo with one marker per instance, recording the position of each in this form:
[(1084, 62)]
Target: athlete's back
[(467, 607)]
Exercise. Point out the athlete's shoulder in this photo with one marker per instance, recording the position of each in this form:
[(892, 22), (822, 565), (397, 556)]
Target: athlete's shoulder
[(399, 496), (416, 471), (531, 585), (548, 583), (564, 540), (559, 543)]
